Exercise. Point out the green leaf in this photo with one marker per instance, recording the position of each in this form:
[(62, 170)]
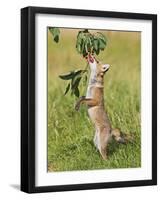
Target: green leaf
[(79, 48), (100, 35), (56, 38), (89, 44), (75, 81), (71, 74), (55, 33), (67, 89), (76, 92), (79, 37), (102, 45), (79, 72), (95, 44), (97, 52), (83, 50), (68, 76), (86, 45)]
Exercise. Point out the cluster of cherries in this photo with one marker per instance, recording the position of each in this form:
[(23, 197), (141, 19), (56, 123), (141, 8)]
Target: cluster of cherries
[(90, 57)]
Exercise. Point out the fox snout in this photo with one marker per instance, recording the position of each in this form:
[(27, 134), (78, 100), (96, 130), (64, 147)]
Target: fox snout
[(106, 67)]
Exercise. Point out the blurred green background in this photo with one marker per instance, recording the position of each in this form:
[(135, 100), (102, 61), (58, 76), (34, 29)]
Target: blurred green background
[(70, 133)]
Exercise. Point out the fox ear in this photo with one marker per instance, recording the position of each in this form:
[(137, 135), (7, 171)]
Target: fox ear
[(106, 67)]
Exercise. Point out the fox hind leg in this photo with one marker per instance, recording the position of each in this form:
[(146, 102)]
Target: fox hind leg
[(103, 139), (95, 140)]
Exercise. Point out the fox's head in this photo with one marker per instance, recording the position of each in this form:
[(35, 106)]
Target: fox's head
[(97, 67)]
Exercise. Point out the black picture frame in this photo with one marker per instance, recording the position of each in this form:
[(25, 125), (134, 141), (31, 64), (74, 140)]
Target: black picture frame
[(28, 98)]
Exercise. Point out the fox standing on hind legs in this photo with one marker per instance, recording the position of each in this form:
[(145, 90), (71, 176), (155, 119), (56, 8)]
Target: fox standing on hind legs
[(94, 99)]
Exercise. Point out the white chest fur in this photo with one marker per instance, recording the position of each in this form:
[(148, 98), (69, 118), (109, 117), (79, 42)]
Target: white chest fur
[(88, 93), (92, 77), (93, 68)]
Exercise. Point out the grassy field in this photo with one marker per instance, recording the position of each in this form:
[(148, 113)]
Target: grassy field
[(70, 133)]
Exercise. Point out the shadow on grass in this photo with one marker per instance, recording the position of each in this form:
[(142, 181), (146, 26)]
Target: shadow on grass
[(113, 146)]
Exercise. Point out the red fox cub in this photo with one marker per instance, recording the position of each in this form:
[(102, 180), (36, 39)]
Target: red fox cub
[(94, 99)]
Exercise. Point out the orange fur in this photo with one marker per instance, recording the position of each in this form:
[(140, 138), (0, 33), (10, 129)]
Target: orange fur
[(95, 101)]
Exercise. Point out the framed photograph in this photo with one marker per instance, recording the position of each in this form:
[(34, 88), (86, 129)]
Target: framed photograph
[(88, 99)]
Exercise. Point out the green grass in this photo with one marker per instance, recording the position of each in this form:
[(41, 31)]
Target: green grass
[(70, 133)]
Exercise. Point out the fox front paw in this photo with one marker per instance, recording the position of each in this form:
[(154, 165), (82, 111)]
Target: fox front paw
[(77, 106), (82, 97)]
